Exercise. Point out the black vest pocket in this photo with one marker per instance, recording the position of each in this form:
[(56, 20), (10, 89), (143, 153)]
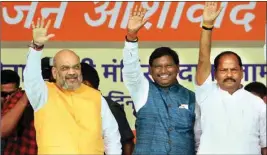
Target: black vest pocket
[(185, 120)]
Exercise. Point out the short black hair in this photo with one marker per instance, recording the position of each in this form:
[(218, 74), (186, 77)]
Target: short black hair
[(162, 51), (257, 87), (218, 57), (10, 76), (46, 68), (90, 74)]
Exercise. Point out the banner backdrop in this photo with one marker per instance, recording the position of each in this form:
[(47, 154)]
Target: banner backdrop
[(107, 21)]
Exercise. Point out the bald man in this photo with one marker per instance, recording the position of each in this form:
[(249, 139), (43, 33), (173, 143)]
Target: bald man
[(70, 118)]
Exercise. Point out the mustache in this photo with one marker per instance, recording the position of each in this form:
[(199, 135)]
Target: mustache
[(229, 79), (71, 76)]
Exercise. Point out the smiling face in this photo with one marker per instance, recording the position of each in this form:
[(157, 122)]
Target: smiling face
[(67, 70), (164, 71)]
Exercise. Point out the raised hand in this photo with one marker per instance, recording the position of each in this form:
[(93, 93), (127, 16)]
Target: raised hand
[(39, 32), (210, 12), (136, 22)]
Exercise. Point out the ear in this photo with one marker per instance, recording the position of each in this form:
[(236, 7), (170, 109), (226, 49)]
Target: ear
[(265, 99), (54, 72), (178, 69), (242, 72), (150, 70), (214, 72)]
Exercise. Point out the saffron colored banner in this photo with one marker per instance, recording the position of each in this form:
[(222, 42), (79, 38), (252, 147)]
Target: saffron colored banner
[(107, 21)]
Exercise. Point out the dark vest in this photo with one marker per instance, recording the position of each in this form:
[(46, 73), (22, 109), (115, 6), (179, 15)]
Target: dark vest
[(162, 126)]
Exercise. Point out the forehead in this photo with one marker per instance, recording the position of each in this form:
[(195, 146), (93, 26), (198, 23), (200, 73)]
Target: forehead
[(69, 64), (68, 61), (163, 59), (228, 60), (8, 87)]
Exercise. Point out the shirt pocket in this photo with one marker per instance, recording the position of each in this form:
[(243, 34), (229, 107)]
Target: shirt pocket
[(185, 120)]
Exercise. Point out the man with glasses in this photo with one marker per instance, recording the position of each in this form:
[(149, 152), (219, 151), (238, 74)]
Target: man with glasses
[(10, 82)]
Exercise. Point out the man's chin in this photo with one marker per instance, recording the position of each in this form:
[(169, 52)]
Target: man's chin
[(72, 80), (71, 86), (164, 84), (230, 88)]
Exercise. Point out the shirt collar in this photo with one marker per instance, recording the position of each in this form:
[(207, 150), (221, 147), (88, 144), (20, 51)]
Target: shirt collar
[(235, 93)]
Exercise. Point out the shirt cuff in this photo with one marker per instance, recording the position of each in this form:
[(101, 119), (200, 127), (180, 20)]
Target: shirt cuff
[(130, 44)]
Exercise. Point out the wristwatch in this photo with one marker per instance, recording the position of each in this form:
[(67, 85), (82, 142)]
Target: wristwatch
[(35, 46)]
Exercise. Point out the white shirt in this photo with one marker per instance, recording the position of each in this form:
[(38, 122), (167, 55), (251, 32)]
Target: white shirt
[(133, 77), (37, 93), (138, 85), (231, 124)]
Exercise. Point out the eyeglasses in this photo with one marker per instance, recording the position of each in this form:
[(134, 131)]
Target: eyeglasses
[(5, 94)]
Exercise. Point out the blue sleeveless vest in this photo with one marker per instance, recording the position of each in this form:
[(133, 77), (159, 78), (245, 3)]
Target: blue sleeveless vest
[(162, 125)]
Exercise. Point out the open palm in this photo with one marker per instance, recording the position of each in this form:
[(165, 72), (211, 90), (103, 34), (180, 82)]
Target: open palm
[(210, 12), (136, 20), (40, 32)]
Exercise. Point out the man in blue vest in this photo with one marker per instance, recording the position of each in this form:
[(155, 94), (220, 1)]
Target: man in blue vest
[(165, 109)]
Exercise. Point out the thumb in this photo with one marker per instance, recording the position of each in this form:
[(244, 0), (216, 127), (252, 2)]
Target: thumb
[(218, 12), (50, 36), (145, 20)]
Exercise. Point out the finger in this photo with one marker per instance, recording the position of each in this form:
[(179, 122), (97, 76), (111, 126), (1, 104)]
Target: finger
[(38, 23), (145, 21), (140, 10), (33, 26), (42, 23), (215, 4), (206, 4), (48, 24), (143, 13), (210, 3), (135, 10), (50, 36), (131, 12)]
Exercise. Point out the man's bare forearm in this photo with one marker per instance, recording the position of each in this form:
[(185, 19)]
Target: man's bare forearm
[(204, 66), (264, 151), (10, 120), (128, 148)]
